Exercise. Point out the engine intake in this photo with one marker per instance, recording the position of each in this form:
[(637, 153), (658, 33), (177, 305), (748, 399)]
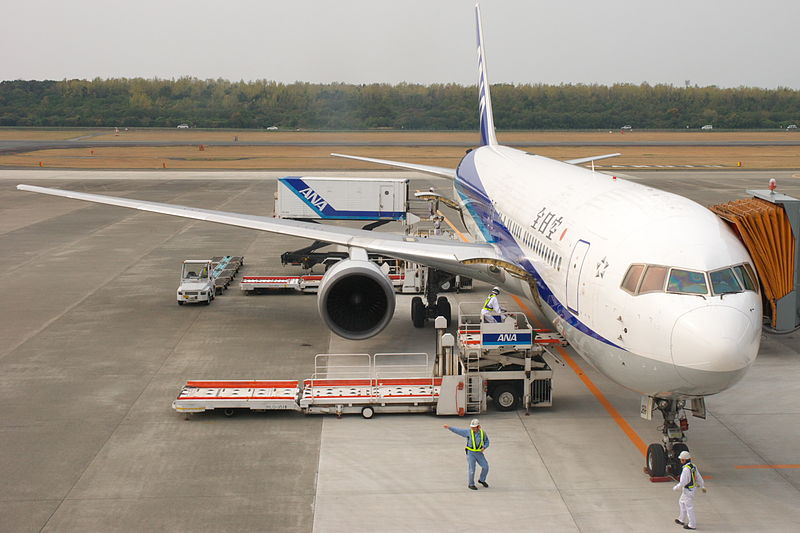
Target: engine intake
[(356, 299)]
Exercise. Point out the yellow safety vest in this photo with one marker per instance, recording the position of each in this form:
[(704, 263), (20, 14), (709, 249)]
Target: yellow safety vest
[(692, 470), (472, 438), (486, 303)]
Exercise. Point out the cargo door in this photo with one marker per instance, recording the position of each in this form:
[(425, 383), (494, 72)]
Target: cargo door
[(574, 275), (386, 201)]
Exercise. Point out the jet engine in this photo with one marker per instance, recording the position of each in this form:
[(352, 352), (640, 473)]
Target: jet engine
[(356, 299)]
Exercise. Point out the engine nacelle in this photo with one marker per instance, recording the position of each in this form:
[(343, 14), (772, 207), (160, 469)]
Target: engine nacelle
[(356, 299)]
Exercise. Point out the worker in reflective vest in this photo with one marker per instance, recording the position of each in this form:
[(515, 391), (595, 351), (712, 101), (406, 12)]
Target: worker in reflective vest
[(477, 442), (689, 482), (491, 310)]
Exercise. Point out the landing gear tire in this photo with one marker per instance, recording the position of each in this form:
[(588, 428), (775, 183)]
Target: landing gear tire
[(417, 312), (506, 397), (656, 460), (443, 309), (368, 412), (675, 463)]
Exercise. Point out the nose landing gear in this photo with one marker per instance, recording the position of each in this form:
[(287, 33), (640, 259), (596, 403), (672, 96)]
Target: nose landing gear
[(662, 459)]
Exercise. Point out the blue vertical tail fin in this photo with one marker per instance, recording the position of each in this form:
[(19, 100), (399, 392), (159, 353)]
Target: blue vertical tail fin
[(484, 96)]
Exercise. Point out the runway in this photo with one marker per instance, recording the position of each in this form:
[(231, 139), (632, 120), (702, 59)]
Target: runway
[(95, 350), (16, 146)]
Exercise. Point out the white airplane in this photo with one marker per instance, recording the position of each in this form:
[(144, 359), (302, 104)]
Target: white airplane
[(650, 288)]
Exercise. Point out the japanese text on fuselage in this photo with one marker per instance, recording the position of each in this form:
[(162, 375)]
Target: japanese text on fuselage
[(547, 222)]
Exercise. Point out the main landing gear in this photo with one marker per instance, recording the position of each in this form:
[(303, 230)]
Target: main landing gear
[(662, 459), (436, 305)]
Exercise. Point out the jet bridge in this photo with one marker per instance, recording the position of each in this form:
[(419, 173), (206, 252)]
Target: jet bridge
[(769, 225)]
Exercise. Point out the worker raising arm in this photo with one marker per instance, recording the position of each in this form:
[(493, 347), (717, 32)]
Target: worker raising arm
[(477, 442)]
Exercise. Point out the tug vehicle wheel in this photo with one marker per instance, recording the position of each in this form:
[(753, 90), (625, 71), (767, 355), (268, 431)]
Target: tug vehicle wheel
[(506, 397)]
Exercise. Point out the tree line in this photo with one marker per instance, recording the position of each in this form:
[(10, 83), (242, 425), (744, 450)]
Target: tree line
[(338, 106)]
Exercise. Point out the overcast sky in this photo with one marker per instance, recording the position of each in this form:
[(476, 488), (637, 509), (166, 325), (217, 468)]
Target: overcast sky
[(710, 42)]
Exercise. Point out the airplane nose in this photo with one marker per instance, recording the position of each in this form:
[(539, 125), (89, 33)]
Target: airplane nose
[(713, 346)]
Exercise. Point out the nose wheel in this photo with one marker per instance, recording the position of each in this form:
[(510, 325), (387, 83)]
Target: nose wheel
[(662, 458)]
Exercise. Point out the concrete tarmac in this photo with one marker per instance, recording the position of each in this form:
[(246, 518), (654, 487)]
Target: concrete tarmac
[(95, 349)]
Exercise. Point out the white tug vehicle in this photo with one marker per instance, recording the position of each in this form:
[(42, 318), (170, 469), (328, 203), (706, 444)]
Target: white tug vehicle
[(197, 282)]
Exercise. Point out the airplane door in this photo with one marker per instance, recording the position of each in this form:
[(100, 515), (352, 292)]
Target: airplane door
[(385, 199), (574, 274)]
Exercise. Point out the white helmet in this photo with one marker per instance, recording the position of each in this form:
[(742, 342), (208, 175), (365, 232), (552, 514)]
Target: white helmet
[(684, 455), (474, 423), (495, 290)]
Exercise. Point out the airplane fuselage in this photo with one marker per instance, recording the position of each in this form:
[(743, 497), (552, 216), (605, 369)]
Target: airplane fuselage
[(578, 233)]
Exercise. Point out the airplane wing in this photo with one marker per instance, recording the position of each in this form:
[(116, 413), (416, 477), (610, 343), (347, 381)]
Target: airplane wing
[(444, 254), (436, 171), (591, 158)]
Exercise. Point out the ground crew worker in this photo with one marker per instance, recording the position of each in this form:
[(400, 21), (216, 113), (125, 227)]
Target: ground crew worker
[(491, 310), (689, 482), (477, 442), (433, 205), (437, 226)]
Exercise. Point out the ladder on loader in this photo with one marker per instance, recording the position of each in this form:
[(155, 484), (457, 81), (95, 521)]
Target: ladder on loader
[(504, 360)]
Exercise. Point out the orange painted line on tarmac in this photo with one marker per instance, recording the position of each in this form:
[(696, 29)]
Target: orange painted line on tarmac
[(748, 467), (621, 422)]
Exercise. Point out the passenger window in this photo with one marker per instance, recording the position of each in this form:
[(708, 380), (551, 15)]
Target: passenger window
[(687, 281), (632, 278), (745, 273), (724, 282), (653, 279)]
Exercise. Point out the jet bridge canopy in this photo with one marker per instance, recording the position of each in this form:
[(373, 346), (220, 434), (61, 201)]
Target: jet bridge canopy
[(768, 226)]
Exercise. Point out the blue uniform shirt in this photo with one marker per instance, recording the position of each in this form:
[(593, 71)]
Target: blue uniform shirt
[(465, 433)]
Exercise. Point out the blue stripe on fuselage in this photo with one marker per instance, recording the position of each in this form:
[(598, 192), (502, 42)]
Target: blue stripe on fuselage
[(473, 195)]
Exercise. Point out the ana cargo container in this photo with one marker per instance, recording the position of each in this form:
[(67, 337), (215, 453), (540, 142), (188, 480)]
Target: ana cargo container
[(306, 197)]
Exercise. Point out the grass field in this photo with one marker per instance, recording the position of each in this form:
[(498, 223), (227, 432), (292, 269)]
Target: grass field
[(317, 157)]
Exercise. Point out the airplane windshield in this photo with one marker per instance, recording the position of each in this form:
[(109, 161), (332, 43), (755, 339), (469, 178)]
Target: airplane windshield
[(744, 273), (687, 281), (642, 279), (653, 279), (724, 282)]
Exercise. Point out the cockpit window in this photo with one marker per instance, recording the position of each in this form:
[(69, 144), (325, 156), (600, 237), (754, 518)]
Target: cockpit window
[(653, 279), (641, 279), (724, 282), (687, 281), (632, 278), (745, 275)]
